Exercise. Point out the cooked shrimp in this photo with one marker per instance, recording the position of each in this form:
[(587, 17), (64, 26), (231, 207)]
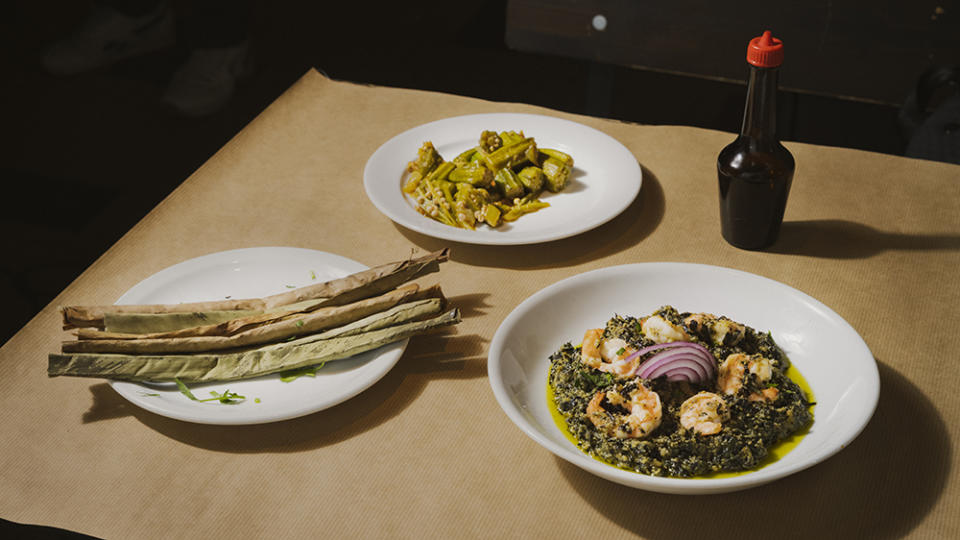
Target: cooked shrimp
[(660, 330), (734, 369), (640, 406), (720, 330), (767, 394), (704, 413), (608, 355)]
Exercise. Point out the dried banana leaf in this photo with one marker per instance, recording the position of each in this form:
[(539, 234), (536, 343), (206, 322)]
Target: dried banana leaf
[(363, 284), (406, 312), (285, 328), (335, 292), (92, 316), (145, 323), (237, 365), (302, 310), (131, 324)]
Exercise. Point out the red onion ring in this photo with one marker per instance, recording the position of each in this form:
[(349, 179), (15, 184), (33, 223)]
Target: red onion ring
[(652, 348), (683, 373), (683, 360)]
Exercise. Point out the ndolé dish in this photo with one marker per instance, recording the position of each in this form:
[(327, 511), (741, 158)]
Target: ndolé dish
[(677, 394)]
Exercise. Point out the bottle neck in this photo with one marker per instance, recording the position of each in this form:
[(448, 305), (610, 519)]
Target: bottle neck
[(760, 112)]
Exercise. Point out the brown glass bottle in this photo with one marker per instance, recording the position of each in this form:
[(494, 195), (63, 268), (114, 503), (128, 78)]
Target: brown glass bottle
[(755, 171)]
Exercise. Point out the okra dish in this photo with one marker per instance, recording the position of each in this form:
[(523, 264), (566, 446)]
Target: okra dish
[(497, 181), (677, 394)]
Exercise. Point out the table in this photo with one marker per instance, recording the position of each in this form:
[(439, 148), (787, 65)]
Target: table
[(427, 451)]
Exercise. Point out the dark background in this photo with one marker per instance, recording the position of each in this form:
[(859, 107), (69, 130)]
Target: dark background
[(85, 157)]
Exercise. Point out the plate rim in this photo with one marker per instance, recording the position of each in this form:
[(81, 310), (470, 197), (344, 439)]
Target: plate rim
[(421, 225), (389, 354), (667, 484)]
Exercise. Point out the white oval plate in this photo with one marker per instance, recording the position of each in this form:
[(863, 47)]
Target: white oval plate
[(253, 273), (606, 177), (827, 351)]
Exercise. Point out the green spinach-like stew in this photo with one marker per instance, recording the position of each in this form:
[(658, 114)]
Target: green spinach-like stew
[(677, 394)]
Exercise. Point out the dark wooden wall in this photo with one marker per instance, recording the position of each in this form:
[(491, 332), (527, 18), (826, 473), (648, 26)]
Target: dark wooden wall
[(855, 49)]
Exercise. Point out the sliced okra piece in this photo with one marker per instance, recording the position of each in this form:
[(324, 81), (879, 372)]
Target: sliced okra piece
[(511, 137), (464, 215), (412, 183), (520, 209), (491, 215), (473, 197), (513, 155), (441, 171), (427, 159), (508, 183), (532, 178), (490, 141), (556, 174), (465, 157), (472, 173), (567, 159)]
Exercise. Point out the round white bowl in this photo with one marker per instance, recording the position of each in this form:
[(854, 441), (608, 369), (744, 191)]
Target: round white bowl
[(827, 351)]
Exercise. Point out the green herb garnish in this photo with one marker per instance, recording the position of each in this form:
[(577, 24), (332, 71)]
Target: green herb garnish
[(292, 374), (226, 397), (590, 379), (184, 390)]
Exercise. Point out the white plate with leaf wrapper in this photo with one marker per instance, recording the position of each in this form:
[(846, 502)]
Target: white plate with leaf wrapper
[(606, 177), (825, 349), (254, 273)]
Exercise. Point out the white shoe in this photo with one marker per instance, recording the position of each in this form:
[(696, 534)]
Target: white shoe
[(206, 81), (108, 36)]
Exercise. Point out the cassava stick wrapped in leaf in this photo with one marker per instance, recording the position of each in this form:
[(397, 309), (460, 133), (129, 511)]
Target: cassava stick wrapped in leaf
[(303, 324), (303, 311), (338, 291), (239, 365), (402, 313), (142, 323), (155, 323), (93, 316), (226, 327), (363, 284)]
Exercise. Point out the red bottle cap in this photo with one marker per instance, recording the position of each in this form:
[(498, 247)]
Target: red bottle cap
[(765, 51)]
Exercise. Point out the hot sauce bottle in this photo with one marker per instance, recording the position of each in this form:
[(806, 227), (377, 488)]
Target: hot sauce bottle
[(755, 170)]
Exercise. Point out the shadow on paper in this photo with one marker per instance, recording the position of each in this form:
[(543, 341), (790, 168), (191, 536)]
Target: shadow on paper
[(841, 239), (881, 486), (443, 354), (624, 231)]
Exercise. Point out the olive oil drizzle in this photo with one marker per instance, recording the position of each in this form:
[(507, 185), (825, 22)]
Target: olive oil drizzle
[(776, 452)]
